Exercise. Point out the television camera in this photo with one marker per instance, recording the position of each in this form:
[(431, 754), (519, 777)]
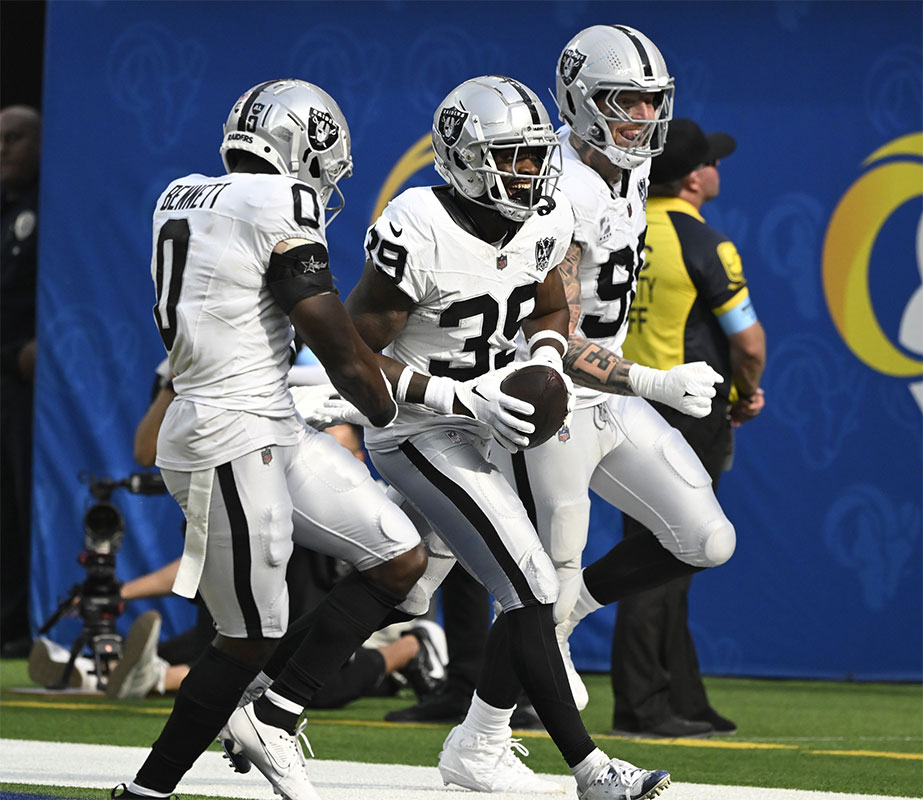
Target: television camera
[(97, 599)]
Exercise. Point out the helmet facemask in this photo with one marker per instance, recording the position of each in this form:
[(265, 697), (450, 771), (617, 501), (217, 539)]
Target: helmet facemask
[(651, 135), (517, 194)]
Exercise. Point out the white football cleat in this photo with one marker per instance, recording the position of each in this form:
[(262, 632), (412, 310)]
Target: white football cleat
[(274, 752), (619, 780), (475, 762), (578, 689)]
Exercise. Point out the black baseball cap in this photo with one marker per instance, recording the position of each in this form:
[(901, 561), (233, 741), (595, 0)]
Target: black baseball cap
[(687, 148)]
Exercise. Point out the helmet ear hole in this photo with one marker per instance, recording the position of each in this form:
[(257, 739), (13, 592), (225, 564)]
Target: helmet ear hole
[(570, 103), (314, 166), (458, 162)]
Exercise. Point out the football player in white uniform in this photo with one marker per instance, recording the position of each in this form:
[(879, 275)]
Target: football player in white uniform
[(615, 97), (453, 273), (238, 260)]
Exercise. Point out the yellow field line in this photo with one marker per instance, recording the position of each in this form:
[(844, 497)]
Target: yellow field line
[(721, 744), (873, 753)]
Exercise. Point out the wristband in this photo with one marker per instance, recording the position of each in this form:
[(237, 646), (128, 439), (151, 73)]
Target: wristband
[(403, 383), (440, 395), (548, 334), (549, 355)]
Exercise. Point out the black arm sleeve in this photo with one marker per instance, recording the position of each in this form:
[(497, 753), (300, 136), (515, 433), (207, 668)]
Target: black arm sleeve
[(299, 273)]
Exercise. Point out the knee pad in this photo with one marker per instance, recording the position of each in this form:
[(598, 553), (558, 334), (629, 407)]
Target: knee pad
[(568, 533), (718, 541), (395, 526), (682, 459), (543, 579)]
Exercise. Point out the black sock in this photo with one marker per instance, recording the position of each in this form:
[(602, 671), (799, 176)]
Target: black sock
[(538, 663), (206, 698), (289, 643), (636, 563), (343, 621), (498, 685), (298, 629), (268, 712)]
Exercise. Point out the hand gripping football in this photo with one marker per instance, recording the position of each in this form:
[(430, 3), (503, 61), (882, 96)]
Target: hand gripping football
[(544, 388)]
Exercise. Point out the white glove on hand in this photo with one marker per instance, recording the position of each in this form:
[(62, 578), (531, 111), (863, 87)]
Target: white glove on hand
[(309, 402), (487, 403), (342, 412), (686, 387)]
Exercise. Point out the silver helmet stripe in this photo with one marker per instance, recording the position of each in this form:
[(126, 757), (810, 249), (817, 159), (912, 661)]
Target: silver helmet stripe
[(245, 111), (639, 46)]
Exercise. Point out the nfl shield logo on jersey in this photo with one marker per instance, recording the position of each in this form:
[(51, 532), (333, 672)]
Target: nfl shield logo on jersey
[(501, 261), (323, 131), (564, 434), (543, 248), (451, 121), (571, 61), (267, 455)]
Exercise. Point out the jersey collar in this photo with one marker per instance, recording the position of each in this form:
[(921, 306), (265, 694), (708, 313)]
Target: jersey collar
[(674, 204)]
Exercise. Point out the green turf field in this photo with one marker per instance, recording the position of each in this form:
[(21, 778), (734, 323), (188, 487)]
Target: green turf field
[(838, 737)]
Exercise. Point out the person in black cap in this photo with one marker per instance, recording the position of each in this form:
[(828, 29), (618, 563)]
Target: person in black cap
[(693, 304)]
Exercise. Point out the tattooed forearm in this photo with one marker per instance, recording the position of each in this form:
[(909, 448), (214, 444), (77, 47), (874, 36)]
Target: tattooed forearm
[(568, 269), (595, 367), (587, 363)]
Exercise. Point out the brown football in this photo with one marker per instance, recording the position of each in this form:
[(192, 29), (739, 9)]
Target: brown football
[(544, 388)]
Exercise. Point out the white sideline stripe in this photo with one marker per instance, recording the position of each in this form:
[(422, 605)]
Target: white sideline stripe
[(104, 766)]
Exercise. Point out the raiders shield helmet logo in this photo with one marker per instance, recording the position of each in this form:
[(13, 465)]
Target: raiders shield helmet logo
[(451, 121), (543, 248), (571, 61), (323, 131)]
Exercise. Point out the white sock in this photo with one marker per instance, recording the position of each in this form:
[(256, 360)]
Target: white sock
[(586, 771), (283, 702), (488, 720), (586, 604), (135, 789)]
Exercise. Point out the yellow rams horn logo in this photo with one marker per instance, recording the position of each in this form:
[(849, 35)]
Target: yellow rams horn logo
[(854, 227)]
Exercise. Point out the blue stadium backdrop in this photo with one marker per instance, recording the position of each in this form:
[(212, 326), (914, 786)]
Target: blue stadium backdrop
[(822, 197)]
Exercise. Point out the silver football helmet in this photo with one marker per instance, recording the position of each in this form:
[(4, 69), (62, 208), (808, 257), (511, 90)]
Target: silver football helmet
[(489, 122), (299, 129), (599, 63)]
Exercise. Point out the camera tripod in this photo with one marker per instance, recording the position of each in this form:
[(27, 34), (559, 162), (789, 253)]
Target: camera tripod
[(98, 604)]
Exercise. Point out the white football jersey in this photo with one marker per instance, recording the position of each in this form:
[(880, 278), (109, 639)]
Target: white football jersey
[(610, 227), (228, 340), (469, 296)]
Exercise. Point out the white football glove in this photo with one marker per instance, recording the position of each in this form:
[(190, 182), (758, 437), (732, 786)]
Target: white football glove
[(487, 403), (321, 406), (342, 412), (686, 387), (309, 402)]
